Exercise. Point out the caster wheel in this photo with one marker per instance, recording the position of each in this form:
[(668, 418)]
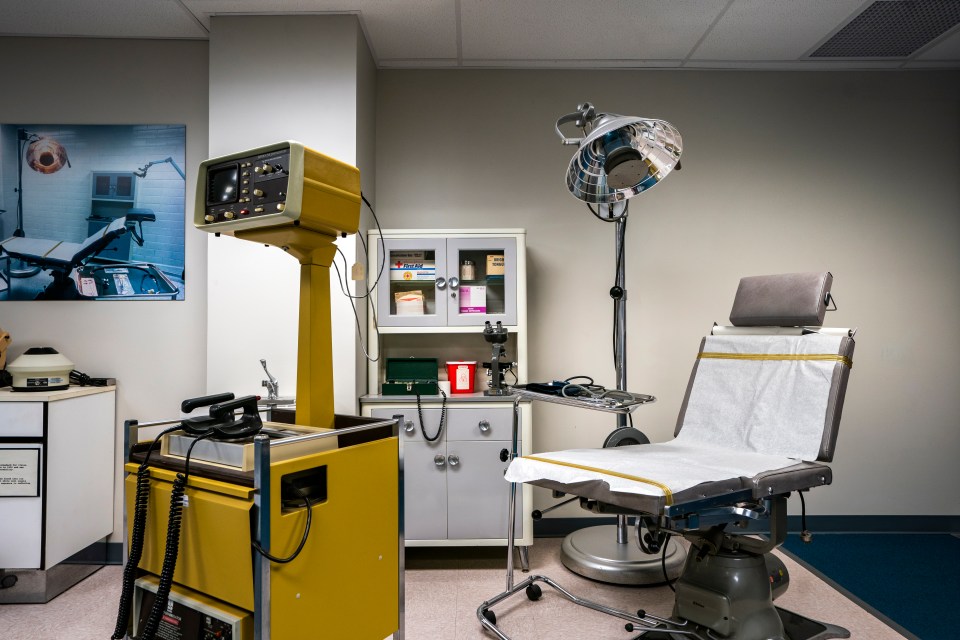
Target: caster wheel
[(534, 592), (490, 616)]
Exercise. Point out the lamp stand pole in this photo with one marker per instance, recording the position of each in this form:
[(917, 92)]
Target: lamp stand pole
[(619, 294), (20, 271), (605, 552), (21, 138)]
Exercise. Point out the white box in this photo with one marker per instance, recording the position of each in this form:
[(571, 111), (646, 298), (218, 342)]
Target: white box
[(473, 299)]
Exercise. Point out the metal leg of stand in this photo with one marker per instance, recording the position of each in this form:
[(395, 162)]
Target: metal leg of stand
[(644, 621), (512, 508), (524, 558), (261, 565)]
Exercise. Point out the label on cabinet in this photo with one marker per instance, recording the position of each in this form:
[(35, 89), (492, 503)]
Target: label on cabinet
[(411, 265), (19, 473)]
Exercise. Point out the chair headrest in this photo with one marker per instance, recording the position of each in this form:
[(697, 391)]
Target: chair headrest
[(784, 300)]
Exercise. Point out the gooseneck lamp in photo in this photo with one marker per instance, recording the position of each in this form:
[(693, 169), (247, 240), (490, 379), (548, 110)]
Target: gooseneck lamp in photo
[(618, 157), (44, 155)]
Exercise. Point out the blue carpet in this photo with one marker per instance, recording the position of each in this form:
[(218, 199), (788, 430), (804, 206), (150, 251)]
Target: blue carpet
[(912, 578)]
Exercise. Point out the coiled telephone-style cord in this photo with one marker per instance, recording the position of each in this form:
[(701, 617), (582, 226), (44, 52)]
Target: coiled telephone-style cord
[(136, 543), (136, 540), (172, 549)]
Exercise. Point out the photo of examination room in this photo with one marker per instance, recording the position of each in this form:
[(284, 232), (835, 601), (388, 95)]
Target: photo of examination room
[(79, 235), (507, 320)]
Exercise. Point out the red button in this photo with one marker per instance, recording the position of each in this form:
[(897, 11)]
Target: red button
[(244, 212)]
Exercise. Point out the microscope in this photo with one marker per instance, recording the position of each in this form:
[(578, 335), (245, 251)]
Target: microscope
[(497, 366)]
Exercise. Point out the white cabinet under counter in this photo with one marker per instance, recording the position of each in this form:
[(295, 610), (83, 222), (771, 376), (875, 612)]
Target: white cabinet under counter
[(56, 486), (454, 491)]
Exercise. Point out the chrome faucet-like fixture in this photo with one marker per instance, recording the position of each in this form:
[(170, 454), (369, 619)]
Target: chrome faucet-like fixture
[(272, 384)]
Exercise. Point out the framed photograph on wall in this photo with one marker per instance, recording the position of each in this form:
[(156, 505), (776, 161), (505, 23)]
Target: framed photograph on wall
[(92, 212)]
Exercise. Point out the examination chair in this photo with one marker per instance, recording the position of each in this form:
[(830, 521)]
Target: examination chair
[(61, 258), (758, 421)]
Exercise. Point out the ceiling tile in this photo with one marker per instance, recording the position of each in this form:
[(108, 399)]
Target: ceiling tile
[(774, 29), (564, 30), (101, 19), (408, 30), (947, 49)]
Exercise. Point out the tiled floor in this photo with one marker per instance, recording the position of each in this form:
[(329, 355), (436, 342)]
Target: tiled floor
[(444, 587)]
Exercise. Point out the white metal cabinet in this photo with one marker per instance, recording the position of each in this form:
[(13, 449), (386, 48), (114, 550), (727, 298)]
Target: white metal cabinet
[(454, 491), (464, 503), (73, 433)]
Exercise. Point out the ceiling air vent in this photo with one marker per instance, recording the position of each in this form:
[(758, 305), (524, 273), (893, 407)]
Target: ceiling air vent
[(891, 29)]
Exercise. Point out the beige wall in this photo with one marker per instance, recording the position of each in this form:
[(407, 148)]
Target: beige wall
[(156, 350), (856, 173)]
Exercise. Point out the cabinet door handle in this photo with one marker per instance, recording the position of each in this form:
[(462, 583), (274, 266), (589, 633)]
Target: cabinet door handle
[(453, 281), (453, 460), (439, 460), (408, 426), (484, 426), (441, 283)]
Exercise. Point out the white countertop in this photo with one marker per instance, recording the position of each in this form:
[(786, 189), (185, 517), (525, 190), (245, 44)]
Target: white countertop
[(9, 395)]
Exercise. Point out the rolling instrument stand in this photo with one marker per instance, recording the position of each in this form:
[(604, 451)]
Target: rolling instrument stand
[(533, 591)]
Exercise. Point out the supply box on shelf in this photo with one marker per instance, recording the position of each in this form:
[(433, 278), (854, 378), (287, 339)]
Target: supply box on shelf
[(411, 376)]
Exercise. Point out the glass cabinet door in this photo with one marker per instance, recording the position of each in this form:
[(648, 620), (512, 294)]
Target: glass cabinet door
[(482, 281), (412, 290)]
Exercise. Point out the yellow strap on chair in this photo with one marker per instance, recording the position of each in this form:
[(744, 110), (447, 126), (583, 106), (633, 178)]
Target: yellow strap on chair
[(667, 494), (777, 356)]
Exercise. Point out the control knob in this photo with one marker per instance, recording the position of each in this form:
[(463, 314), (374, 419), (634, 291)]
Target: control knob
[(258, 192), (228, 215), (209, 218), (264, 168)]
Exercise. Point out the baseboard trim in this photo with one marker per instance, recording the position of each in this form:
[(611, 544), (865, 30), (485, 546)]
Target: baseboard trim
[(98, 553), (560, 527)]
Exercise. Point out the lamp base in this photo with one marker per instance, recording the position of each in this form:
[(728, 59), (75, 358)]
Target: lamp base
[(593, 552)]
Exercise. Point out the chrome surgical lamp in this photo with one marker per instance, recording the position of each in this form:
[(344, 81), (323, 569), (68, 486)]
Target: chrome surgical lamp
[(618, 157), (43, 155)]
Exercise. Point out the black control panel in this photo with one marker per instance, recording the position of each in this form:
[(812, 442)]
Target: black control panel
[(247, 187), (183, 622)]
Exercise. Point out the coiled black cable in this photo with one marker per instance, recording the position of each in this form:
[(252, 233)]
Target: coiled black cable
[(172, 548), (303, 540), (443, 418), (136, 539)]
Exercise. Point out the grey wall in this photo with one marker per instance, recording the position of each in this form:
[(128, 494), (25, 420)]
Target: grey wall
[(367, 162), (856, 173), (154, 349)]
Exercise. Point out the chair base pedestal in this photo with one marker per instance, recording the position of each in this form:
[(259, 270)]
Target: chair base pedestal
[(593, 552)]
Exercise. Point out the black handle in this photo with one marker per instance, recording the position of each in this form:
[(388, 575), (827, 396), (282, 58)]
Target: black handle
[(504, 455), (190, 404), (224, 409)]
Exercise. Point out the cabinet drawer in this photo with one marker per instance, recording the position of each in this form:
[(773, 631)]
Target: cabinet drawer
[(21, 419), (410, 425), (494, 423)]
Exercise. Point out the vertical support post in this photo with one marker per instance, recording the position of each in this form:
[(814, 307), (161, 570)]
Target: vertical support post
[(512, 508), (131, 431), (401, 587), (620, 343), (261, 565), (315, 348)]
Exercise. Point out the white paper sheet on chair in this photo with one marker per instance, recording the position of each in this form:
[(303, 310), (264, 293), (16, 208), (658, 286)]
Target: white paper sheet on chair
[(737, 408), (677, 465), (774, 406)]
